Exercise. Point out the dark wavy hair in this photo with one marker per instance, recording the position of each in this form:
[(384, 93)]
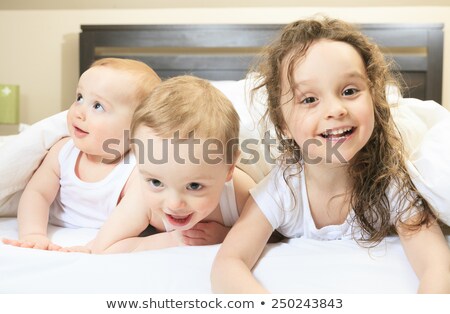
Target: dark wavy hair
[(380, 164)]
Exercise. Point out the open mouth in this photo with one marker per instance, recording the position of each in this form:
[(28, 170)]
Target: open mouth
[(338, 134), (79, 132), (179, 220)]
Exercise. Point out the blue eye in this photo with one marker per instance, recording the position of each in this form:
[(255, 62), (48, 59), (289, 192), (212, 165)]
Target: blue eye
[(309, 100), (194, 186), (97, 106), (155, 183), (349, 92), (80, 98)]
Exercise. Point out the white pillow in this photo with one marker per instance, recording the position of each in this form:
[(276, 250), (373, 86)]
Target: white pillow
[(254, 160), (425, 128)]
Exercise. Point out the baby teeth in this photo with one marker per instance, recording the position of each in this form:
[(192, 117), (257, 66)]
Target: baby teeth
[(336, 131)]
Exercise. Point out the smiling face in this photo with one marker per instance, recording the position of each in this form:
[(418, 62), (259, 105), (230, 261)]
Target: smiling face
[(330, 115), (181, 194), (102, 111)]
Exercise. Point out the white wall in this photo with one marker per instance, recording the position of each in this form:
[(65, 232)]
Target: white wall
[(39, 48)]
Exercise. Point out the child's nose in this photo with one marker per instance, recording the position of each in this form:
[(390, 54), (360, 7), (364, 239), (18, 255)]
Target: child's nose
[(80, 112), (175, 203), (336, 109)]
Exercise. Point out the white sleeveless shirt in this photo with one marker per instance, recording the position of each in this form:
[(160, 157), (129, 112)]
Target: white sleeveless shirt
[(228, 206), (82, 204)]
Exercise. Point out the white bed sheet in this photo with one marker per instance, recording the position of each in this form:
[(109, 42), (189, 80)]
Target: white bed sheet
[(296, 266)]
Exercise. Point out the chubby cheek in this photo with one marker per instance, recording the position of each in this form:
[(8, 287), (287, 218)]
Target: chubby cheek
[(114, 141), (297, 122), (205, 207), (367, 122), (69, 119), (368, 131), (298, 131), (119, 131), (152, 200)]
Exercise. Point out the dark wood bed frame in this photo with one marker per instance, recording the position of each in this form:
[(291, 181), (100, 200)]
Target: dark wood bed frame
[(225, 52)]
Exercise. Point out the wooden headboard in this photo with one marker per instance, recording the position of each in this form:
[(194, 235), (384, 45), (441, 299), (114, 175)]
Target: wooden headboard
[(225, 52)]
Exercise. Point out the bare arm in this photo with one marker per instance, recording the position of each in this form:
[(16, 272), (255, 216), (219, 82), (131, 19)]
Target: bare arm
[(154, 242), (36, 199), (130, 217), (429, 255), (231, 272), (242, 184)]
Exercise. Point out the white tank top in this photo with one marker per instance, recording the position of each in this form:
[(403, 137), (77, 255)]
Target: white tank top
[(82, 204), (228, 206)]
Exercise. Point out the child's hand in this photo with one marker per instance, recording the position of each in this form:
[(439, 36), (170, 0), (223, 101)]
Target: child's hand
[(205, 233), (34, 241), (78, 249)]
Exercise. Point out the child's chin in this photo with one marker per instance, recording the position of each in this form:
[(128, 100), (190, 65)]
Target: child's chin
[(184, 228)]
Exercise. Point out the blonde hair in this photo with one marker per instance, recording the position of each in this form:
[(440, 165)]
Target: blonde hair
[(145, 78), (380, 164), (189, 104)]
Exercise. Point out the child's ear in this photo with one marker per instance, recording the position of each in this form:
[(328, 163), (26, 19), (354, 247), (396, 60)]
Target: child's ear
[(237, 154), (230, 172)]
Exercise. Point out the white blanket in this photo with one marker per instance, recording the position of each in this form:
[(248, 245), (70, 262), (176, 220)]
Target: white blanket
[(296, 266)]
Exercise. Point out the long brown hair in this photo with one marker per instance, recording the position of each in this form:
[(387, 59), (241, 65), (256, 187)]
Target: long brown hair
[(379, 165)]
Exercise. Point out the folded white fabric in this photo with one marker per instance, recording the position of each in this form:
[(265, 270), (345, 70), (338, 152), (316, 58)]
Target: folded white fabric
[(430, 169), (425, 129), (414, 118), (21, 154), (254, 160)]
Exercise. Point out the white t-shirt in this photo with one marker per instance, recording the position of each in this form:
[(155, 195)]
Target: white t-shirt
[(287, 209)]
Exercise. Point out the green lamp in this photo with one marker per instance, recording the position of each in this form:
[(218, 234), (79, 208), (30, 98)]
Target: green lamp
[(9, 104)]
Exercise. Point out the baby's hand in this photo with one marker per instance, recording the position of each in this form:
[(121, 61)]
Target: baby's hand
[(205, 233), (34, 241), (79, 249)]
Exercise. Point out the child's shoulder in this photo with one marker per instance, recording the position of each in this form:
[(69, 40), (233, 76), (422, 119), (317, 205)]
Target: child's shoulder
[(56, 148), (242, 183), (283, 175), (51, 160), (53, 152), (284, 185), (242, 178)]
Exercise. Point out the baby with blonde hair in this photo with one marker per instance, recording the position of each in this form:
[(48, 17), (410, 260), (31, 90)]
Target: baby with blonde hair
[(186, 143), (84, 177)]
